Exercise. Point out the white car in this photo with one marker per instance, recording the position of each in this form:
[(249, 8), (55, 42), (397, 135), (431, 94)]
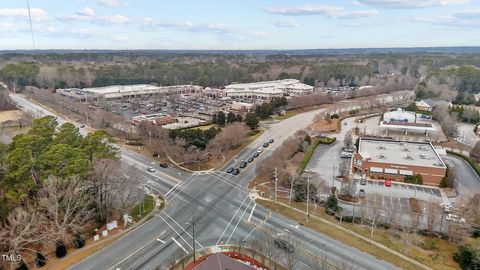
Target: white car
[(150, 169), (455, 218)]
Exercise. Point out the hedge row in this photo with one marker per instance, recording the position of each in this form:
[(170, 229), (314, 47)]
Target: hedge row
[(307, 157), (473, 163), (327, 140)]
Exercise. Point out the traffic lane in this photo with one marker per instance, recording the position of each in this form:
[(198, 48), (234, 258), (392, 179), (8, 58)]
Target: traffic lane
[(468, 182), (149, 162)]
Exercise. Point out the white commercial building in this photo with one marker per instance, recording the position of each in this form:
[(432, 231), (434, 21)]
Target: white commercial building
[(268, 89), (120, 91), (399, 116)]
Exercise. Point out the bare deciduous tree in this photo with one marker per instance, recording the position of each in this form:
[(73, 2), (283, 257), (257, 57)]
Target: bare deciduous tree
[(67, 204), (25, 227)]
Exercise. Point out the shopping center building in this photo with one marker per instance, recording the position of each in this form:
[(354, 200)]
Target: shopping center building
[(392, 159)]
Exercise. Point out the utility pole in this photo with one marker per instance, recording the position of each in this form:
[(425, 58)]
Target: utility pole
[(193, 235), (333, 176), (441, 220), (275, 175), (308, 194)]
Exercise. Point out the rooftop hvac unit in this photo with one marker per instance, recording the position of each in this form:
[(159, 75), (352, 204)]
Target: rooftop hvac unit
[(381, 156), (405, 149), (422, 156), (409, 157)]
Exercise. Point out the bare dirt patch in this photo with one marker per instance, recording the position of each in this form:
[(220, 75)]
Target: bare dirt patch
[(11, 115)]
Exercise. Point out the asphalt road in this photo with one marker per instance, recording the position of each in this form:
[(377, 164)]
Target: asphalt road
[(225, 214)]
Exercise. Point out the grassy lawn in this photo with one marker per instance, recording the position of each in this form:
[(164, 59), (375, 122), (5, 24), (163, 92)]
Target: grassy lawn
[(204, 127), (435, 253), (146, 207), (288, 114)]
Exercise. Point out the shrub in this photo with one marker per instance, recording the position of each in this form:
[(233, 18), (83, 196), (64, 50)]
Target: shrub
[(78, 242), (467, 257), (134, 143), (40, 260), (476, 233), (61, 250), (22, 266)]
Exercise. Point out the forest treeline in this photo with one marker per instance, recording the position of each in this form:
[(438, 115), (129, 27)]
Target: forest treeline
[(442, 76)]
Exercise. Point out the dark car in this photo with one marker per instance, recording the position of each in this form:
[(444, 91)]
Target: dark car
[(256, 154), (243, 164), (271, 141), (163, 165), (284, 245), (236, 171), (265, 144), (361, 193), (230, 170)]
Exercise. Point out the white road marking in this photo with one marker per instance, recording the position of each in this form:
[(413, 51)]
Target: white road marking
[(173, 188), (176, 242), (238, 222), (183, 229), (160, 240), (251, 213), (232, 219), (175, 231)]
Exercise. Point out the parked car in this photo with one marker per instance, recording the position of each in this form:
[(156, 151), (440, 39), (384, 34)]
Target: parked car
[(447, 208), (256, 154), (284, 245), (363, 181), (388, 183), (455, 218), (250, 159), (230, 170), (236, 171), (265, 144), (271, 141), (260, 150), (346, 154), (150, 169), (361, 193), (243, 164), (163, 165)]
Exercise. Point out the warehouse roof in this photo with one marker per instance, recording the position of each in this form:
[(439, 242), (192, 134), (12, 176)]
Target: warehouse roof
[(400, 152)]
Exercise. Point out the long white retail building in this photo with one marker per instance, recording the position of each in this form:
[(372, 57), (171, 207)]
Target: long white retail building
[(268, 89), (120, 91)]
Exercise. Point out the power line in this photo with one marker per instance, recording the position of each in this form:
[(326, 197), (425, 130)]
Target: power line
[(30, 19)]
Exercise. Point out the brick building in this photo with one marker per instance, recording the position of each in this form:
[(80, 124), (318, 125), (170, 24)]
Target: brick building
[(391, 159)]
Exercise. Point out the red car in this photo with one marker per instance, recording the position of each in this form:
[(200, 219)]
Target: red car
[(388, 183)]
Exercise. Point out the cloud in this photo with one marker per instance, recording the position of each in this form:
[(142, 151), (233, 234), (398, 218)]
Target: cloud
[(151, 24), (36, 13), (86, 11), (115, 19), (286, 23), (411, 3), (325, 10), (109, 3), (467, 19), (88, 15)]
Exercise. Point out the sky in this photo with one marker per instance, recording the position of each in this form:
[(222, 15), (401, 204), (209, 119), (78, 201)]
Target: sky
[(238, 24)]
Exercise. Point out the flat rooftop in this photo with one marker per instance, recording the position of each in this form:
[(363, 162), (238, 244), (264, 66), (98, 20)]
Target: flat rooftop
[(400, 152)]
